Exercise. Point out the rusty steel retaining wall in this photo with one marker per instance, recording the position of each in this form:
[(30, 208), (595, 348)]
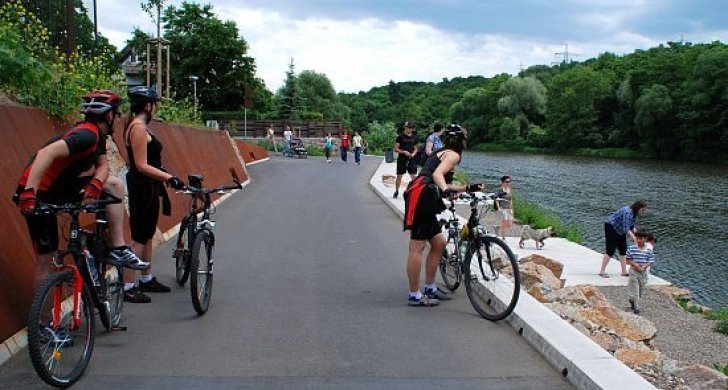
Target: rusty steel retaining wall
[(250, 152), (24, 130)]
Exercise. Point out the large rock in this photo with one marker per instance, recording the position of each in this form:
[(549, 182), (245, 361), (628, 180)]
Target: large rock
[(556, 267), (673, 291), (532, 273), (634, 357), (541, 291), (595, 297), (605, 340), (623, 324), (699, 377), (568, 295)]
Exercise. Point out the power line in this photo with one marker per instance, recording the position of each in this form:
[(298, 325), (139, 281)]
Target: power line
[(566, 55)]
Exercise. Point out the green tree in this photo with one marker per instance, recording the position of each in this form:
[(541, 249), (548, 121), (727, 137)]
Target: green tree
[(572, 106), (653, 109), (204, 46), (288, 97), (524, 99)]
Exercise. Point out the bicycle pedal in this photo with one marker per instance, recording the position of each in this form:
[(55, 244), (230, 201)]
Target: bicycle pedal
[(118, 328)]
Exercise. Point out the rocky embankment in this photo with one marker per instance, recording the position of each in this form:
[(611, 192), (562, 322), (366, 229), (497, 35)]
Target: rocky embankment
[(631, 338)]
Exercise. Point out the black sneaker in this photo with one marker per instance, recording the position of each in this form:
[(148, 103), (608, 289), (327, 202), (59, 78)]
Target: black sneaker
[(632, 305), (135, 296), (153, 286), (438, 295), (123, 256), (396, 194)]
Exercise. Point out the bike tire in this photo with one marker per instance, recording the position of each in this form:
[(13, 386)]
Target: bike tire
[(182, 251), (450, 268), (201, 264), (62, 339), (493, 282), (114, 295)]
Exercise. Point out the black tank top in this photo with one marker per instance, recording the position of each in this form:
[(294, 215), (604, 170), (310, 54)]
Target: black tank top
[(431, 165), (154, 154)]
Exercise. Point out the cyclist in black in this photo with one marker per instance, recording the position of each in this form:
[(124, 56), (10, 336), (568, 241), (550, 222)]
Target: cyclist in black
[(406, 151), (422, 204), (145, 183), (71, 167)]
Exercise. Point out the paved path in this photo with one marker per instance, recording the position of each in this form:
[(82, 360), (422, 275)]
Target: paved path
[(309, 293)]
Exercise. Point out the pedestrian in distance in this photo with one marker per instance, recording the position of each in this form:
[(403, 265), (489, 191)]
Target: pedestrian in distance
[(145, 184), (270, 134), (328, 147), (344, 145), (616, 228), (406, 149), (423, 201), (433, 142), (288, 138), (357, 141), (640, 258), (72, 167), (505, 206)]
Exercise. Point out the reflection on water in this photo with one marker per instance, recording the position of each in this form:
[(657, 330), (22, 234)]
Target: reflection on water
[(687, 207)]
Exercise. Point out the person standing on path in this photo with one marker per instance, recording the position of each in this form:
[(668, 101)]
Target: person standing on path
[(328, 147), (344, 145), (640, 258), (145, 184), (505, 206), (288, 137), (406, 150), (433, 142), (358, 142), (422, 203), (271, 135), (616, 229)]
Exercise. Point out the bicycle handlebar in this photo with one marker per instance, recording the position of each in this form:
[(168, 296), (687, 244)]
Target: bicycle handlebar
[(78, 207), (194, 190)]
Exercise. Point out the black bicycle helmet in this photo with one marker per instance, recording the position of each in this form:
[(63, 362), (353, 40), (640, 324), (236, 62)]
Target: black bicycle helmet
[(99, 102), (455, 130), (142, 94)]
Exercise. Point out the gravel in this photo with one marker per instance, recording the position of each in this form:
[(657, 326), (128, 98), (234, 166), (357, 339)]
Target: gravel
[(686, 337)]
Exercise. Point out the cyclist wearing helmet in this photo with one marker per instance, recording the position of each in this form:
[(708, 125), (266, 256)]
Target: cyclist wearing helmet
[(70, 167), (423, 202), (145, 183)]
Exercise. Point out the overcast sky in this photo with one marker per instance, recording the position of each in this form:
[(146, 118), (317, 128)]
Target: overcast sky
[(360, 44)]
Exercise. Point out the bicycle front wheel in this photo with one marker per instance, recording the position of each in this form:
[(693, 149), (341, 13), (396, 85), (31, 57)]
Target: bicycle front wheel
[(114, 294), (450, 269), (201, 267), (493, 281), (182, 250), (60, 347)]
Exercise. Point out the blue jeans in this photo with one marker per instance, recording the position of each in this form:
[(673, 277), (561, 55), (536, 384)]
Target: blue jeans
[(343, 153), (357, 155), (287, 151)]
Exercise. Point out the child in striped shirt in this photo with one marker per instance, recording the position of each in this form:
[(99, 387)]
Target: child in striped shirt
[(640, 257)]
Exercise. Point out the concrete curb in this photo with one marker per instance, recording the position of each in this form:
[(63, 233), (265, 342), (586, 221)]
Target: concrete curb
[(579, 359)]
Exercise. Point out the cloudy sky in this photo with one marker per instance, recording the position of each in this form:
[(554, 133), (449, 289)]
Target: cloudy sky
[(360, 44)]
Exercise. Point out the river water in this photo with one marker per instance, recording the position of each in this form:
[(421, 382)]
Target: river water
[(687, 207)]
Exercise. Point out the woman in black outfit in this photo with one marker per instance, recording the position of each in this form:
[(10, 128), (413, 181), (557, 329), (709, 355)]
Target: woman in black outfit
[(145, 183), (422, 204)]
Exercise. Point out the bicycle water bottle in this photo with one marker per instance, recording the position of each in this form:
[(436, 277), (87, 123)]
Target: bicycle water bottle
[(92, 267), (463, 249)]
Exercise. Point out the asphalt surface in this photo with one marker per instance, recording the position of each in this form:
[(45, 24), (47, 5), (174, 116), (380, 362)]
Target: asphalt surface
[(309, 293)]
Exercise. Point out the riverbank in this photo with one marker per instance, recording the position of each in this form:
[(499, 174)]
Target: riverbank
[(619, 153)]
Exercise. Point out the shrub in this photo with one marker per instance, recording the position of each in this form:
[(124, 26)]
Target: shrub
[(530, 214), (380, 136), (179, 111), (722, 317)]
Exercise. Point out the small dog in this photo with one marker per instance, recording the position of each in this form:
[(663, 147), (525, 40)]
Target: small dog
[(538, 235)]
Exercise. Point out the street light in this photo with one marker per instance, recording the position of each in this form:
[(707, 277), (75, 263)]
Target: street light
[(194, 91)]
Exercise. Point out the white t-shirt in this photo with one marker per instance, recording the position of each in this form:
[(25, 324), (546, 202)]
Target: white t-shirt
[(287, 135), (357, 141)]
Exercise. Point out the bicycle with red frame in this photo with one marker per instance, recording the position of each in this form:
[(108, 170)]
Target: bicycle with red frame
[(61, 323)]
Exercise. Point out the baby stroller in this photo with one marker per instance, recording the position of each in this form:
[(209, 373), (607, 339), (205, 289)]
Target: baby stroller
[(297, 148)]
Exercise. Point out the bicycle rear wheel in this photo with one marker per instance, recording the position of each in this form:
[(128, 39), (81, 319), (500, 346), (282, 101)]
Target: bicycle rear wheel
[(60, 352), (492, 278), (201, 266), (450, 269), (182, 250)]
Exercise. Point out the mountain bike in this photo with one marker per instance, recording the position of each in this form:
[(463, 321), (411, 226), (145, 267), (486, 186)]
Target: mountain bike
[(484, 261), (61, 323), (196, 241)]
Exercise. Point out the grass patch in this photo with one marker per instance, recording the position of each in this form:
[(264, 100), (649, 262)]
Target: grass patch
[(688, 306), (530, 214), (461, 177), (722, 317), (721, 368)]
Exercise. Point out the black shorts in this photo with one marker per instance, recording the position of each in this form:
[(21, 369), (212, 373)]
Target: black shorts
[(422, 203), (143, 208), (406, 165), (43, 228), (614, 240)]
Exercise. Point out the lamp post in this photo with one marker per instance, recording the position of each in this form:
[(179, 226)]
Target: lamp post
[(194, 91)]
